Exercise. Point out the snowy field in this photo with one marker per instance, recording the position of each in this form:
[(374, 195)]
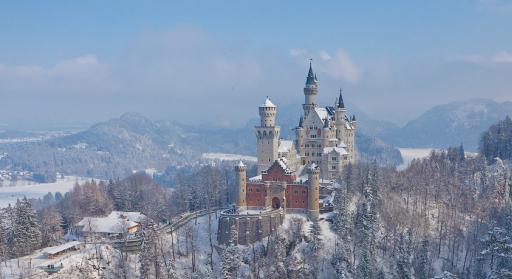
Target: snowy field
[(409, 154), (9, 194), (228, 157)]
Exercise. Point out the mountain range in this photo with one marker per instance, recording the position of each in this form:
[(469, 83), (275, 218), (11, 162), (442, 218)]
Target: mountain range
[(447, 125), (117, 147)]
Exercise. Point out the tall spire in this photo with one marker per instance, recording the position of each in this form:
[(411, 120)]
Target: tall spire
[(311, 79), (301, 122), (340, 101), (326, 123)]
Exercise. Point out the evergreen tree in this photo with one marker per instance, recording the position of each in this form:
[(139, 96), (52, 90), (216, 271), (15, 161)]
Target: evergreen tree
[(341, 257), (231, 256), (26, 233), (422, 261), (403, 261), (497, 248)]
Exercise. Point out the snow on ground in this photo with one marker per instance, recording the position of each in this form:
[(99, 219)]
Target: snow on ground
[(34, 263), (9, 194), (228, 157), (202, 243), (409, 154)]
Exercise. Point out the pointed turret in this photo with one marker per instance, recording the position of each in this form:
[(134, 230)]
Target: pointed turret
[(340, 104), (311, 79), (301, 122), (310, 91), (353, 118)]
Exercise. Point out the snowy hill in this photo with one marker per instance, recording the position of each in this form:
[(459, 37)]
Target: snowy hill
[(449, 125), (117, 147)]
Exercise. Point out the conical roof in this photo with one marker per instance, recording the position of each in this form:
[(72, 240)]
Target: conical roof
[(341, 104)]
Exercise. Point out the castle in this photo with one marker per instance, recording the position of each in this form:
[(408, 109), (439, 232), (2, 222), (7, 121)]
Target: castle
[(291, 173)]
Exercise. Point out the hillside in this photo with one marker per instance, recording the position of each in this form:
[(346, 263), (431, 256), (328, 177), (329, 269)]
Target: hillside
[(117, 147), (449, 125)]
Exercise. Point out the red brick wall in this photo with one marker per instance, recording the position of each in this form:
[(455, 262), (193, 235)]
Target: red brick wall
[(296, 196), (256, 194)]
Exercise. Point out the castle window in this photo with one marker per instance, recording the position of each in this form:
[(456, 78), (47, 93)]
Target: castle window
[(258, 190), (304, 192), (333, 167), (295, 192), (334, 158)]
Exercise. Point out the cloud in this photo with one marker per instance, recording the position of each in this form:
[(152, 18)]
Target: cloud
[(497, 58), (338, 65), (503, 57), (70, 75)]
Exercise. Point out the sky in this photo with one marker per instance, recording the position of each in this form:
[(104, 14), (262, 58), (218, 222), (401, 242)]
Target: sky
[(214, 62)]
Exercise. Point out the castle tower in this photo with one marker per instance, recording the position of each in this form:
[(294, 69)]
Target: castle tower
[(267, 135), (310, 91), (300, 134), (241, 185), (313, 191), (339, 118), (326, 133)]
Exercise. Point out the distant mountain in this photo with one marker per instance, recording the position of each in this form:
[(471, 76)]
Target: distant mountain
[(449, 125), (117, 147)]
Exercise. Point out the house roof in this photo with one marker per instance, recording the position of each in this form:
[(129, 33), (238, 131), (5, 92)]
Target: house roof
[(60, 248), (115, 222)]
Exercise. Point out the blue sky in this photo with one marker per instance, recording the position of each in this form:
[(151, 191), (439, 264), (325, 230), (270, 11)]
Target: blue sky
[(59, 60)]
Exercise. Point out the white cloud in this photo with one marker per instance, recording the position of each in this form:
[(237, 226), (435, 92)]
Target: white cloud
[(337, 65), (71, 75), (503, 57), (499, 57)]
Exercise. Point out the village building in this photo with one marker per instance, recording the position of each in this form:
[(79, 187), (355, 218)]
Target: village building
[(115, 225), (60, 250)]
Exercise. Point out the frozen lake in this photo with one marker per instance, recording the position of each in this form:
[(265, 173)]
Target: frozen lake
[(9, 194), (409, 154)]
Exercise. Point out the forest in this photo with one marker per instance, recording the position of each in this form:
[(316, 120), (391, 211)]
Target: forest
[(445, 216)]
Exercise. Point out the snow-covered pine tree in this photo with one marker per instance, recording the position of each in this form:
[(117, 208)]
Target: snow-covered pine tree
[(3, 236), (295, 266), (231, 256), (403, 260), (365, 268), (147, 255), (340, 260), (497, 249), (26, 233), (422, 260), (279, 256)]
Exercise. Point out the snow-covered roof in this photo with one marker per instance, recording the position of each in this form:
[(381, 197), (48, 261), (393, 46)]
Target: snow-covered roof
[(60, 248), (339, 150), (105, 225), (255, 178), (342, 144), (284, 164), (240, 164), (268, 104), (285, 146), (115, 222), (321, 112), (133, 216)]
